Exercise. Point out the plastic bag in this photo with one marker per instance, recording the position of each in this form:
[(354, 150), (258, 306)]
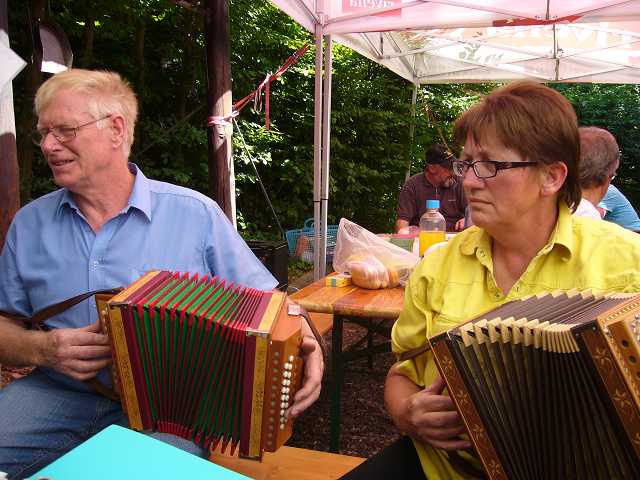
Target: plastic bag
[(373, 262)]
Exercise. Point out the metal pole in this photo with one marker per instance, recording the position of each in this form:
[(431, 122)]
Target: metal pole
[(326, 140), (412, 131), (317, 149), (9, 177)]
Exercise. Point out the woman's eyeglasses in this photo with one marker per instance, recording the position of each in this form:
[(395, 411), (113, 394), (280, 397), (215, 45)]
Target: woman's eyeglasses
[(486, 168)]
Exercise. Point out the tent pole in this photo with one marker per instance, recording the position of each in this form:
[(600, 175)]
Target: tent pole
[(326, 142), (412, 131), (317, 167)]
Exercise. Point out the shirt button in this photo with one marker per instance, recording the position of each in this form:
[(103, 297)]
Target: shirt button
[(96, 263)]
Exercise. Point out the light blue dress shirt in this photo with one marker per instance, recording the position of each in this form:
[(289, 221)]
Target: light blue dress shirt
[(619, 209), (51, 253)]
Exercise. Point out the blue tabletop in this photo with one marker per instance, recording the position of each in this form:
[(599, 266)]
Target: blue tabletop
[(121, 453)]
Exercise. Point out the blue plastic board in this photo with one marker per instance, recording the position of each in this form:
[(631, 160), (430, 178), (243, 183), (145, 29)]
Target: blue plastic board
[(119, 453)]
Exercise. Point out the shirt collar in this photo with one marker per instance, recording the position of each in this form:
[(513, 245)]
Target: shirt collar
[(139, 199), (477, 238), (141, 193), (562, 235)]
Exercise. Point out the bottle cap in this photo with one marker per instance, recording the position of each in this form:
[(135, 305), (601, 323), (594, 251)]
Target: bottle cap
[(433, 204)]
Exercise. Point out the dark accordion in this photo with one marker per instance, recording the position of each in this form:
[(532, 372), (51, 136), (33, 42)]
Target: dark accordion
[(212, 362), (548, 387)]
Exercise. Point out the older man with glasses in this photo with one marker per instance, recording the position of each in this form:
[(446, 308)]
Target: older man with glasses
[(106, 226)]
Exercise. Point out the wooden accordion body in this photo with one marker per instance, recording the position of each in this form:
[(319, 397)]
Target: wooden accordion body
[(204, 360), (549, 386)]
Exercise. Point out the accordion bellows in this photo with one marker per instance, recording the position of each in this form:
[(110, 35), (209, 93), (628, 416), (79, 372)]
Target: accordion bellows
[(209, 361), (549, 386)]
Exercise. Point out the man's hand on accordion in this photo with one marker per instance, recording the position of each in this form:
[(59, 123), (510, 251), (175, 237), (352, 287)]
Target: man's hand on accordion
[(424, 414), (79, 353), (313, 369)]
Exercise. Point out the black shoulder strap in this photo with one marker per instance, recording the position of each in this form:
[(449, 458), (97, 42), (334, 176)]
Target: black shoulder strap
[(297, 309), (414, 352), (47, 312)]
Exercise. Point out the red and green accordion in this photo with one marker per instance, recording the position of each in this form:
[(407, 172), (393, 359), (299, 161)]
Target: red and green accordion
[(210, 361)]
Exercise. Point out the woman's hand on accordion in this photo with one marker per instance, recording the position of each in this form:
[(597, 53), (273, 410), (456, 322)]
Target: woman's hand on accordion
[(313, 369), (79, 353), (424, 414)]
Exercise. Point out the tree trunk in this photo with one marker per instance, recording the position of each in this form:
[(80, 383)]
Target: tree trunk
[(87, 41), (141, 29), (27, 120), (219, 103)]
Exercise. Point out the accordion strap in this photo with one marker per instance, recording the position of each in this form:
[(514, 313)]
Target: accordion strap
[(414, 352), (38, 319), (464, 467), (297, 309)]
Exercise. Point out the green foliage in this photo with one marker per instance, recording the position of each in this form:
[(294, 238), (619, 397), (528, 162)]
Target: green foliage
[(370, 149), (617, 109), (298, 268)]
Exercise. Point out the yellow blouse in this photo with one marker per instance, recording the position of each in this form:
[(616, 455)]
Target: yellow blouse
[(456, 283)]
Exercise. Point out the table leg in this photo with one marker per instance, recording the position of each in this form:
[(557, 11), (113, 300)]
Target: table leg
[(336, 383), (369, 344)]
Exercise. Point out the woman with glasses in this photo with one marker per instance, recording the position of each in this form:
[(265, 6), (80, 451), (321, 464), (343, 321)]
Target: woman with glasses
[(519, 170)]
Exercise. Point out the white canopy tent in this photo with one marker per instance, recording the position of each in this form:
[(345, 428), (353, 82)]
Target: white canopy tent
[(465, 41)]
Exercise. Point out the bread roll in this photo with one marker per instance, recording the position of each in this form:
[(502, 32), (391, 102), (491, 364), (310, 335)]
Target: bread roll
[(368, 272)]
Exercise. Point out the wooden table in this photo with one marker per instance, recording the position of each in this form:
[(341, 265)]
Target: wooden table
[(375, 310), (290, 463)]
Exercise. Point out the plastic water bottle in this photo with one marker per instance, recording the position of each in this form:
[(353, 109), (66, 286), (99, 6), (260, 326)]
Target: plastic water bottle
[(432, 226)]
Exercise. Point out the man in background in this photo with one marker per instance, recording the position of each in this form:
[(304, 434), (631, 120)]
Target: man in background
[(599, 161), (619, 210), (436, 182)]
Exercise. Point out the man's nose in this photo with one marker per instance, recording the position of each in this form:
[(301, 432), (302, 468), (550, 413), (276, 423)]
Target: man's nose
[(49, 142)]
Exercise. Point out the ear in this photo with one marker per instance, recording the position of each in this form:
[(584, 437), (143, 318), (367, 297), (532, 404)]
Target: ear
[(118, 130), (552, 178)]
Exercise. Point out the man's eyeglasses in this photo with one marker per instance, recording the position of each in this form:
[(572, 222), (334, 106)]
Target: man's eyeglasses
[(62, 134), (485, 168)]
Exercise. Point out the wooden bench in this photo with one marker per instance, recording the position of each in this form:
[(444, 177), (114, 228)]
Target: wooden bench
[(323, 321), (291, 463)]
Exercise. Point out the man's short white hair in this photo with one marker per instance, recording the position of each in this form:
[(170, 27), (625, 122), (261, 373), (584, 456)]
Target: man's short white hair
[(107, 93)]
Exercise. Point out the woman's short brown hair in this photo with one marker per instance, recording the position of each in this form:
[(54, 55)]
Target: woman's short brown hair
[(533, 120)]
